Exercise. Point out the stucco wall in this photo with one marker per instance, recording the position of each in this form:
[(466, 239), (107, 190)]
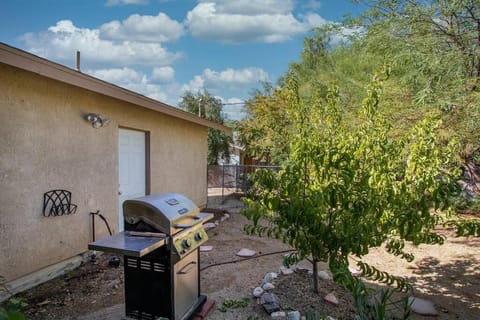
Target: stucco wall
[(46, 144)]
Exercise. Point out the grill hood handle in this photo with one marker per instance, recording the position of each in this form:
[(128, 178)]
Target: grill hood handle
[(187, 225)]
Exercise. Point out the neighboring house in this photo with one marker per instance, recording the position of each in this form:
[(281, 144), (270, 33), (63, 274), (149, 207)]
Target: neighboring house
[(46, 143)]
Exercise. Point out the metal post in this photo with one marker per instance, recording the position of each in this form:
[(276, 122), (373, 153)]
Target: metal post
[(223, 179)]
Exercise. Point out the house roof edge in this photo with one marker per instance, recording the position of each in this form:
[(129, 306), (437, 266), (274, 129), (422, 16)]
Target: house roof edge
[(24, 60)]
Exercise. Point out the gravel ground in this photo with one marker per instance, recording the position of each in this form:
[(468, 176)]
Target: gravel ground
[(449, 276)]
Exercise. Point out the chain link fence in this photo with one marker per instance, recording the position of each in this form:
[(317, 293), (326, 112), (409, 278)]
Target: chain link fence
[(227, 179)]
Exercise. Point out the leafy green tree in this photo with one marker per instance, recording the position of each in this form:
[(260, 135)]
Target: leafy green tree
[(263, 131), (435, 47), (342, 191), (210, 108), (265, 127)]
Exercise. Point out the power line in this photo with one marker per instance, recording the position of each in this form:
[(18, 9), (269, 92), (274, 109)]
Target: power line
[(233, 103)]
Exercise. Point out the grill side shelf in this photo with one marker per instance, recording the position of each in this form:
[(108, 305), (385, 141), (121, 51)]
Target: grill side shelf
[(121, 243)]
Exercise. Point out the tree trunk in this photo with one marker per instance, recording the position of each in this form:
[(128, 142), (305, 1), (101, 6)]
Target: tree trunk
[(473, 177), (315, 275)]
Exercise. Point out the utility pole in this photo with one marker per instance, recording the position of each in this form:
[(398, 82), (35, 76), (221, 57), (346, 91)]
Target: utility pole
[(200, 107)]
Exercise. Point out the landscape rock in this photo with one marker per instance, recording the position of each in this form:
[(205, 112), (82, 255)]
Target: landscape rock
[(268, 286), (422, 306), (355, 272), (330, 298), (225, 217), (301, 269), (209, 225), (323, 275), (246, 253), (278, 315), (285, 271), (257, 292), (270, 303), (269, 277), (206, 248), (293, 315), (269, 298)]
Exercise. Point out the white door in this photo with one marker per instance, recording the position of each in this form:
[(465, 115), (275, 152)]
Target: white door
[(131, 168)]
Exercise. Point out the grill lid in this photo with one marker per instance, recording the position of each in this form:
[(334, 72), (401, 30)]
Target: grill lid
[(166, 212)]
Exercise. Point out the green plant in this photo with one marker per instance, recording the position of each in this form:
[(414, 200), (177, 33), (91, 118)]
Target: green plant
[(343, 191), (373, 304), (228, 304), (11, 310)]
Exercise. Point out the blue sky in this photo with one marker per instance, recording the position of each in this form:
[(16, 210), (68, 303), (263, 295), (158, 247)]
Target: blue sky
[(161, 48)]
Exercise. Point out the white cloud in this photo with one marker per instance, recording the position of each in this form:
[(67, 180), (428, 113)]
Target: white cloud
[(61, 41), (118, 75), (163, 74), (249, 7), (233, 108), (194, 85), (167, 92), (162, 86), (344, 35), (232, 76), (159, 28), (218, 21), (111, 3), (214, 81), (312, 20)]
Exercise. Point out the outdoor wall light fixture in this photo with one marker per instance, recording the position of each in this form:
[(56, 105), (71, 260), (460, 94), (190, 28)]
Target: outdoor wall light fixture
[(97, 120)]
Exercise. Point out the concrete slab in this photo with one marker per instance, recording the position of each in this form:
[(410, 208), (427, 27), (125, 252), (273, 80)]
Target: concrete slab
[(116, 312)]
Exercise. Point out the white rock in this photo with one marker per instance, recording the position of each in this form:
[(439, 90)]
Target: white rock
[(206, 248), (224, 218), (285, 271), (209, 225), (269, 277), (278, 315), (355, 272), (329, 318), (257, 292), (422, 306), (268, 286), (323, 275), (331, 298), (301, 269), (246, 253), (293, 315)]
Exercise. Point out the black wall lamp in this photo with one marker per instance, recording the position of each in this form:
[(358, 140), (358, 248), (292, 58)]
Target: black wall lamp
[(96, 120)]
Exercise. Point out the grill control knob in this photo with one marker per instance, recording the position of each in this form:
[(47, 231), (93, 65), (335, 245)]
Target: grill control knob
[(198, 236), (186, 244)]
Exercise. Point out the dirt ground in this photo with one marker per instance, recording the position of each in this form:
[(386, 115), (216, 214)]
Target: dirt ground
[(447, 275)]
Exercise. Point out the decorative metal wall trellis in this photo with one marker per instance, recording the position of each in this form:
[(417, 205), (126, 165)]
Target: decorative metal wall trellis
[(58, 203)]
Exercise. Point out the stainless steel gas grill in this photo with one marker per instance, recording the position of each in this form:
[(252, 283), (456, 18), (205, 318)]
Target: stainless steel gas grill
[(160, 245)]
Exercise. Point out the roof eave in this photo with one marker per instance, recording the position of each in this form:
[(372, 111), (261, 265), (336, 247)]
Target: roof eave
[(29, 62)]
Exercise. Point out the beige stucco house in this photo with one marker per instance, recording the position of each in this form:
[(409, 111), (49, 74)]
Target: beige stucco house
[(46, 143)]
